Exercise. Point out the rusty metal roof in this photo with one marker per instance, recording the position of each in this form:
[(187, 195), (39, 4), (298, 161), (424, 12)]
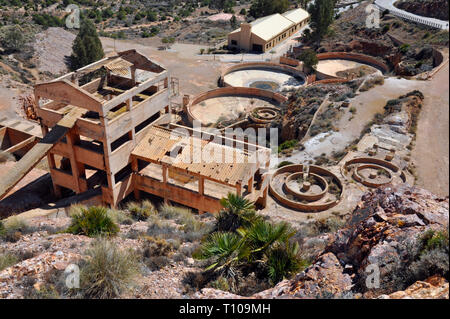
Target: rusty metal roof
[(164, 146)]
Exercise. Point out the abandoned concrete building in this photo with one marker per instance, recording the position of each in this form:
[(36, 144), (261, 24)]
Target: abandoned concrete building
[(263, 34), (103, 130)]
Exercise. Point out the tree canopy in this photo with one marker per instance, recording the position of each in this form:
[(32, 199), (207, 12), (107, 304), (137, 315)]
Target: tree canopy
[(87, 47), (13, 39), (309, 58), (261, 8), (322, 13)]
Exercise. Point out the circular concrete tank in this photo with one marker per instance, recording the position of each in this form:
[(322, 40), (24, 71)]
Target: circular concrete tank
[(263, 75), (334, 65), (230, 104)]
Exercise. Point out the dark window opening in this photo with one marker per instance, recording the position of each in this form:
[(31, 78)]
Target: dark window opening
[(91, 115), (123, 173), (65, 165), (118, 107), (120, 141), (234, 42), (142, 164), (150, 91), (257, 48), (145, 123)]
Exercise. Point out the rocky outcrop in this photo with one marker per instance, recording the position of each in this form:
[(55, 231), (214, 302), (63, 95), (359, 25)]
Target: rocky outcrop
[(437, 9), (324, 278), (435, 287), (384, 230)]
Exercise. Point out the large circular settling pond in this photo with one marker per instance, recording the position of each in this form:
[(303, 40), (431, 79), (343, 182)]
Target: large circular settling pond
[(229, 105), (265, 85), (265, 76)]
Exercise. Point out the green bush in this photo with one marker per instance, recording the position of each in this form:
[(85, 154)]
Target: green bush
[(432, 239), (108, 271), (182, 216), (284, 163), (287, 145), (12, 229), (119, 217), (404, 48), (7, 260), (309, 58), (237, 212), (92, 221), (283, 261), (86, 47), (250, 243), (141, 211), (13, 39)]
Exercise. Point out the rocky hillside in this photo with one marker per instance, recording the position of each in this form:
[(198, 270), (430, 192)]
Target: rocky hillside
[(437, 9), (401, 232)]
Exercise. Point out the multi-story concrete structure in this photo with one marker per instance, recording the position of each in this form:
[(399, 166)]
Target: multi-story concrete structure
[(103, 133), (265, 33), (120, 98)]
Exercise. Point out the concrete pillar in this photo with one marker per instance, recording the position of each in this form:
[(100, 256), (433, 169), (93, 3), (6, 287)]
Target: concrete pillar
[(186, 99), (239, 189), (50, 159), (250, 184), (264, 197), (135, 169), (306, 186), (164, 177), (78, 170), (245, 36)]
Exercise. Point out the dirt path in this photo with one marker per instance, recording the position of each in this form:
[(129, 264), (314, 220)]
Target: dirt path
[(196, 74), (431, 154)]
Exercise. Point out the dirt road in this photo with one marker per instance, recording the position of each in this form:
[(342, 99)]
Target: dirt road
[(431, 154)]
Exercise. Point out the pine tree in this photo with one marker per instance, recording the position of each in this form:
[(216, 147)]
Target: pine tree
[(262, 8), (322, 13), (87, 47)]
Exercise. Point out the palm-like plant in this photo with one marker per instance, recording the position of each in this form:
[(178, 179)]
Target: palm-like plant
[(283, 261), (249, 240), (237, 204), (237, 212), (222, 248), (263, 235)]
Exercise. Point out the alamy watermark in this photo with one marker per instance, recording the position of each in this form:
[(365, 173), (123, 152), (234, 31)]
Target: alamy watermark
[(73, 19), (373, 17), (230, 145), (72, 273), (373, 276)]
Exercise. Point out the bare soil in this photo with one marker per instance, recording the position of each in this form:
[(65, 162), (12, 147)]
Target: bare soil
[(431, 154)]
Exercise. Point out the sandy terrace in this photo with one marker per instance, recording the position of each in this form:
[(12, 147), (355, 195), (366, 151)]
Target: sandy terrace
[(333, 66), (226, 108)]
